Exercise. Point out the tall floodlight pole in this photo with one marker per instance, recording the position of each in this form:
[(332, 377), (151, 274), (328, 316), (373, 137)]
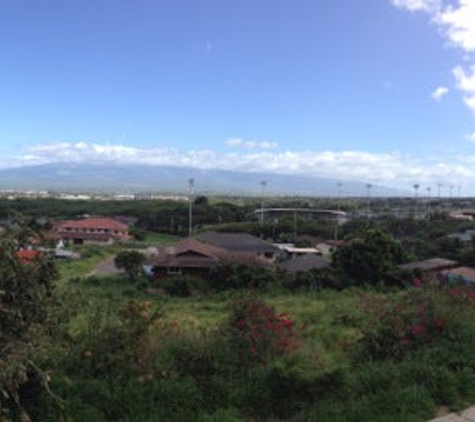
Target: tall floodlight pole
[(191, 185), (416, 197), (368, 198), (428, 203), (439, 185), (450, 191), (340, 184), (263, 190), (458, 191)]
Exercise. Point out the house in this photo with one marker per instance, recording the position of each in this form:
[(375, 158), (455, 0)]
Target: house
[(464, 237), (304, 263), (195, 258), (430, 268), (327, 247), (291, 251), (243, 244), (460, 275), (89, 230), (187, 257), (26, 256)]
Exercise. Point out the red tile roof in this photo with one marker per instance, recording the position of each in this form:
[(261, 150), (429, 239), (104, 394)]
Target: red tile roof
[(94, 223), (26, 255)]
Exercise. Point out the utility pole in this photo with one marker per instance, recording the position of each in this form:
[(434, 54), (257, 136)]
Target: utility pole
[(428, 204), (340, 184), (368, 199), (191, 185), (263, 189), (416, 197), (439, 185)]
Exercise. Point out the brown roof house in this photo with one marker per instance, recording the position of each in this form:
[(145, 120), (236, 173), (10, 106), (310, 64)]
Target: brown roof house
[(305, 263), (196, 258), (460, 275), (431, 268), (242, 245), (186, 257), (95, 230)]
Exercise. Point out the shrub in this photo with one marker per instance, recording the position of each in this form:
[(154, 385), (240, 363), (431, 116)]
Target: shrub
[(257, 334), (183, 286)]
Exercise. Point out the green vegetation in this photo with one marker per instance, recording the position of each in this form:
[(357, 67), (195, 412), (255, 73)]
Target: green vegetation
[(131, 262), (356, 342)]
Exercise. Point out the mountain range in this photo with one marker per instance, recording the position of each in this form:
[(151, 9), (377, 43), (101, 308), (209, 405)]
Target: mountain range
[(133, 178)]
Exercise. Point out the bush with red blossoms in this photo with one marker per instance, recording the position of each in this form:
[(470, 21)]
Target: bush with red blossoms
[(415, 318), (258, 333)]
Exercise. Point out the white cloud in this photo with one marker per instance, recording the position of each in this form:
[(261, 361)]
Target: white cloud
[(456, 20), (470, 102), (459, 23), (440, 92), (391, 169), (465, 80), (241, 143), (466, 83), (417, 5), (471, 137)]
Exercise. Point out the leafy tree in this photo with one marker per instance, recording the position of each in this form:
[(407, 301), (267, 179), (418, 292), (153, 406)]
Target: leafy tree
[(201, 200), (131, 262), (25, 301), (369, 259)]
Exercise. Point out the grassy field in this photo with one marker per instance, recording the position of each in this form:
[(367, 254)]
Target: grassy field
[(351, 363)]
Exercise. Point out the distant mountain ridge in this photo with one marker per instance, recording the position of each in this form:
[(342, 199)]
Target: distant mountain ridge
[(133, 178)]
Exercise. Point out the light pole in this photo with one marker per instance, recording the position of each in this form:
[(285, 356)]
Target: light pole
[(416, 197), (263, 189), (340, 184), (439, 185), (428, 203), (191, 185), (368, 199)]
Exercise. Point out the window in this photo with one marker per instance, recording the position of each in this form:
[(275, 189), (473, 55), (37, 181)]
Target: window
[(174, 270)]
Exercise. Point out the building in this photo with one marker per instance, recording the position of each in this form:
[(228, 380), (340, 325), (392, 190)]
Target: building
[(460, 275), (99, 230), (430, 268), (186, 257), (196, 258), (327, 247), (243, 244), (305, 263)]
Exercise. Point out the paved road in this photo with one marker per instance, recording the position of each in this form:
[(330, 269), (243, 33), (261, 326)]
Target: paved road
[(106, 267), (467, 415)]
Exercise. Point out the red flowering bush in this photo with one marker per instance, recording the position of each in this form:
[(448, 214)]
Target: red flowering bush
[(258, 334), (462, 296), (394, 326)]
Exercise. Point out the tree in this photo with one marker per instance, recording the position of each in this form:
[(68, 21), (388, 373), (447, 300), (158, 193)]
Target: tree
[(25, 301), (131, 262), (369, 259)]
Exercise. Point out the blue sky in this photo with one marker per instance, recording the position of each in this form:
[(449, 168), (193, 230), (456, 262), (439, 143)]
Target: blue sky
[(374, 90)]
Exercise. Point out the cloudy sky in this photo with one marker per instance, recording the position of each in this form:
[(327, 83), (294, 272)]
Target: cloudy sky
[(374, 90)]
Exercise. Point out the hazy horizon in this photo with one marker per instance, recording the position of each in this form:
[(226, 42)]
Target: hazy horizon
[(376, 91)]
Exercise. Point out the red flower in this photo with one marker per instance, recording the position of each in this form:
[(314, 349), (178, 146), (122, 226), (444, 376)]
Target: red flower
[(418, 329), (417, 282), (439, 324), (241, 323)]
